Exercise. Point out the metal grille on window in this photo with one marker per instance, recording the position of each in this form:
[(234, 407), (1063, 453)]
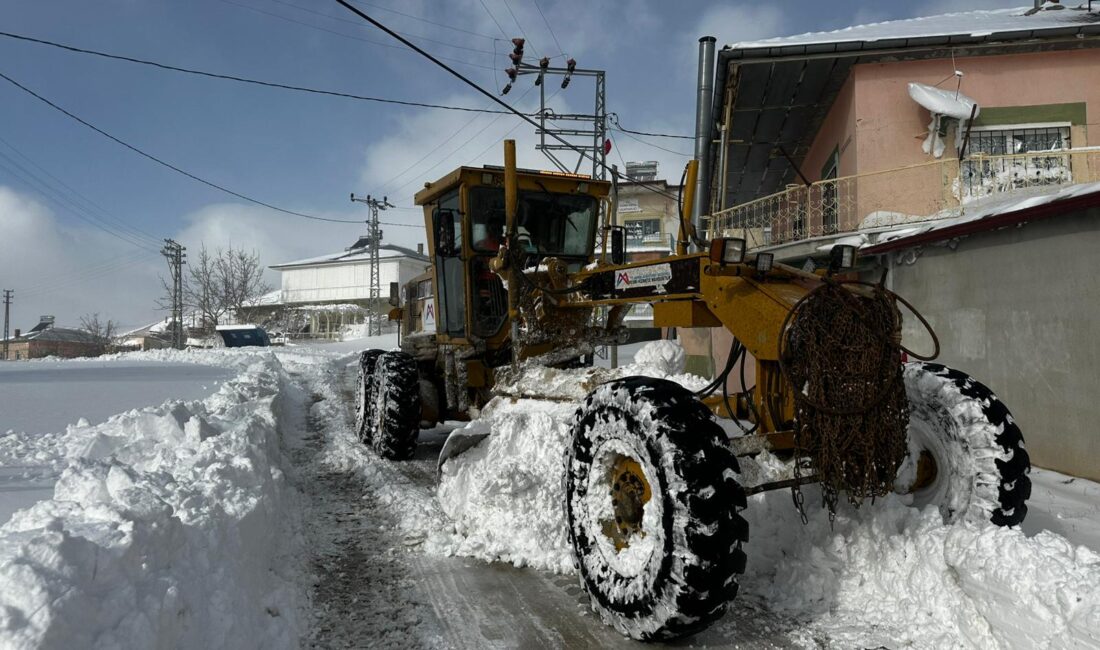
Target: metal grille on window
[(1002, 160)]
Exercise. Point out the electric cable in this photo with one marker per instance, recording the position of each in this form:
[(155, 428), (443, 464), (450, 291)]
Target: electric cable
[(229, 77), (174, 168), (360, 24), (548, 27), (336, 33), (614, 119), (425, 20), (118, 223)]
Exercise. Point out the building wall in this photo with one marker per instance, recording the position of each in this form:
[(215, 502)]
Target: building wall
[(1015, 308), (638, 203), (344, 282), (876, 126), (32, 349), (837, 133)]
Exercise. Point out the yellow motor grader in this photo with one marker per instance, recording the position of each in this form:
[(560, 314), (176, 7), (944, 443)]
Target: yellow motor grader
[(652, 490)]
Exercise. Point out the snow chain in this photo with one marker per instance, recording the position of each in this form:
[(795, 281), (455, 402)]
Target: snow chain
[(841, 354)]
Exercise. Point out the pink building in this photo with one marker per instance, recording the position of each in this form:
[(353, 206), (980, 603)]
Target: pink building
[(990, 226), (859, 131)]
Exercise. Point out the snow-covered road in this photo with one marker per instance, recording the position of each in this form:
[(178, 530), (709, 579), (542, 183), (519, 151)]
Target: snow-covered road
[(254, 518)]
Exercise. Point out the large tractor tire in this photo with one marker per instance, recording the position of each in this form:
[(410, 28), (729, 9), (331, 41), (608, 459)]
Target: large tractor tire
[(363, 401), (395, 411), (652, 502), (966, 454)]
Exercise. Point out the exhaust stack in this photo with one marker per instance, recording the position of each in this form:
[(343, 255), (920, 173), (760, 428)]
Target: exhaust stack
[(703, 129)]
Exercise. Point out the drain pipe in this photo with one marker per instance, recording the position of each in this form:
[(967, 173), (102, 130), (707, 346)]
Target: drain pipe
[(704, 127)]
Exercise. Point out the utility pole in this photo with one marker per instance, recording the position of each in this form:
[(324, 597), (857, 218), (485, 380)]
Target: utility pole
[(7, 314), (600, 145), (374, 240), (173, 251)]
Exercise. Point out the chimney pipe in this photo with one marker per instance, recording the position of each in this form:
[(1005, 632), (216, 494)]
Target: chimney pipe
[(703, 129), (420, 248), (18, 332)]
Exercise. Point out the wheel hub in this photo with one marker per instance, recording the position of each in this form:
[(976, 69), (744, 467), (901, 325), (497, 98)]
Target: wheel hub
[(926, 471), (630, 492)]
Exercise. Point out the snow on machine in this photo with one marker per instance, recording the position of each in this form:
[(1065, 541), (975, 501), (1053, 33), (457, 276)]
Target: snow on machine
[(652, 491)]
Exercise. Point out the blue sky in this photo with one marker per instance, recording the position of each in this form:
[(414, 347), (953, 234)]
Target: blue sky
[(305, 152)]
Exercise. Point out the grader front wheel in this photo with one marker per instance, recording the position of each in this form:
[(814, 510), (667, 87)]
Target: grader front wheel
[(965, 453), (395, 406), (652, 503)]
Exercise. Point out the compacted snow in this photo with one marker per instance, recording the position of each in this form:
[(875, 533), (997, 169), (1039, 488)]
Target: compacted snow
[(252, 517)]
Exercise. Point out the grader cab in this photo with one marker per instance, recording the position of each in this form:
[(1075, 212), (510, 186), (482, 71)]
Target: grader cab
[(652, 494)]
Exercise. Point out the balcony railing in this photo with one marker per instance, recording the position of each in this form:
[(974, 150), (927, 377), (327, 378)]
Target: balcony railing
[(893, 198)]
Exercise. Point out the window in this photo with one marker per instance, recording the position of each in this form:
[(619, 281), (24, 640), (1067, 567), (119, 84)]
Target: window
[(1020, 157), (999, 141), (549, 224), (643, 230)]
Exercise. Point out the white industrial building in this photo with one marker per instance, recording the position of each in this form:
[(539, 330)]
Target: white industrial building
[(333, 290), (344, 277)]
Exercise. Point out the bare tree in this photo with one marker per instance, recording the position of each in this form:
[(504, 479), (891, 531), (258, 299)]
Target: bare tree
[(241, 278), (102, 332), (202, 289)]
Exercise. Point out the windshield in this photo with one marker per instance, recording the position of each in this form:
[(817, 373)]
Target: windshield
[(548, 224)]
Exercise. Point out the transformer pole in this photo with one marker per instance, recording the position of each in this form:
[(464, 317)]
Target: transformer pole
[(173, 252), (7, 314), (374, 241)]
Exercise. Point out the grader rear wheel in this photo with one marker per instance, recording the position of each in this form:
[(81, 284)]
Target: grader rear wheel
[(652, 503), (395, 407), (363, 400), (966, 454)]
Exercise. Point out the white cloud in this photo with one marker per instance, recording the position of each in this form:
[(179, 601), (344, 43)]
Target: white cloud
[(68, 271)]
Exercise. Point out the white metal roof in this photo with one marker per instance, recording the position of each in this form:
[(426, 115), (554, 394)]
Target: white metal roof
[(968, 23)]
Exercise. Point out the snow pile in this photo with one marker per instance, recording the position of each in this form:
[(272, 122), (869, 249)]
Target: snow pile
[(910, 579), (160, 532), (667, 356), (505, 496), (661, 359)]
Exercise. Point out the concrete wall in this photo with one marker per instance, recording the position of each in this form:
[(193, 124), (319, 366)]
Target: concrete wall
[(1017, 309)]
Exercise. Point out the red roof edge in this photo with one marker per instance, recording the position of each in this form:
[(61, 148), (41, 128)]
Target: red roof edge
[(1023, 215)]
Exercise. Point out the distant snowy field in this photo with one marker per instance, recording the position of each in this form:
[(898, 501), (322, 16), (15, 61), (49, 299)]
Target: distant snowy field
[(44, 397), (172, 523)]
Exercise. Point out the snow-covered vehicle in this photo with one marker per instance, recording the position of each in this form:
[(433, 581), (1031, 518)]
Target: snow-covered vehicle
[(651, 479)]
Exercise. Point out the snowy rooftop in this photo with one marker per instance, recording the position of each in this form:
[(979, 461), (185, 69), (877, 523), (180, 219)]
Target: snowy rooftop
[(386, 251), (968, 24)]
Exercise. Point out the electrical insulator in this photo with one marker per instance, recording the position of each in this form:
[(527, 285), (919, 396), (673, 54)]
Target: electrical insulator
[(570, 66), (511, 72), (544, 63), (517, 50)]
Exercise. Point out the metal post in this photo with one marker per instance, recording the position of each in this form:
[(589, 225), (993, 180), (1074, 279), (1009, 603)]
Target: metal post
[(173, 251), (374, 242), (703, 128), (7, 315)]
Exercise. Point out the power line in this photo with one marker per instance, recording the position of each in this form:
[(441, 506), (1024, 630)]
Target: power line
[(425, 20), (521, 30), (466, 80), (349, 36), (548, 27), (167, 164), (650, 144), (360, 25), (614, 117), (37, 184), (228, 77), (494, 18), (126, 227)]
